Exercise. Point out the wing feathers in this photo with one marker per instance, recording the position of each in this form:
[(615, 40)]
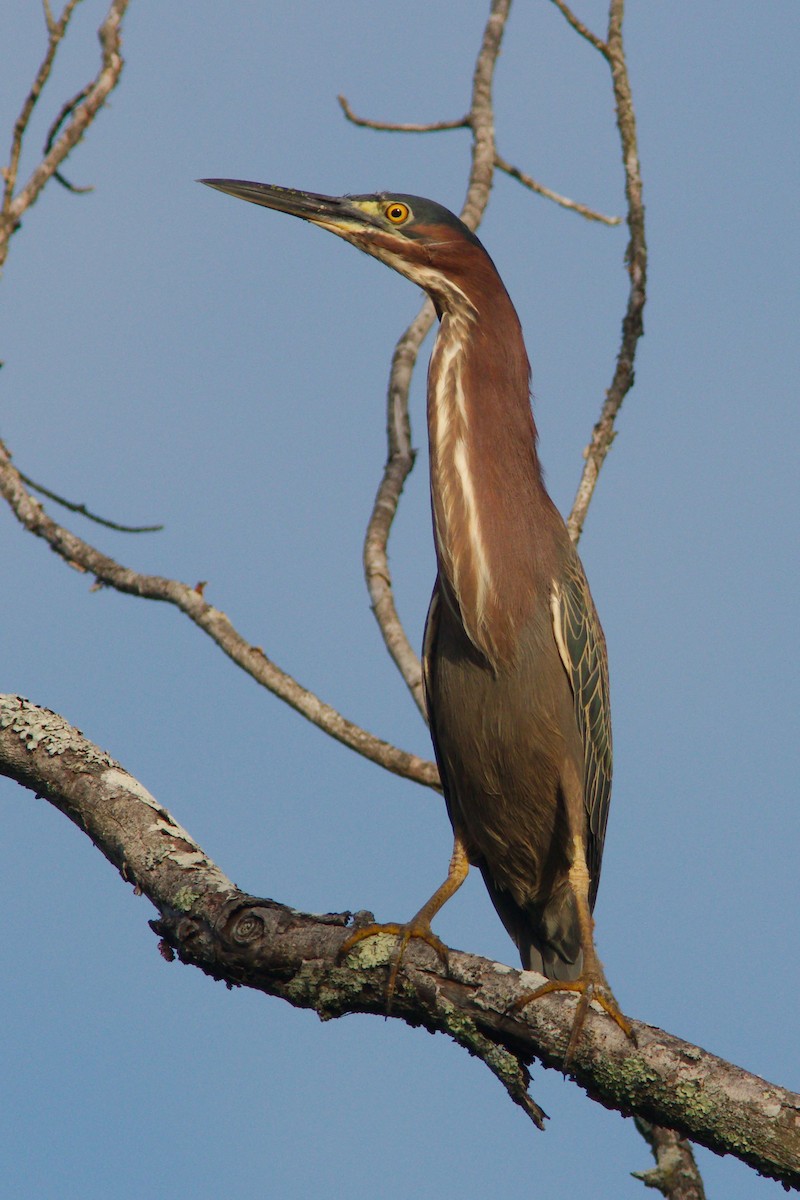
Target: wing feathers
[(582, 649)]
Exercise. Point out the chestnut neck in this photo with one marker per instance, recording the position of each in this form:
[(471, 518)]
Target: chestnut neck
[(498, 536)]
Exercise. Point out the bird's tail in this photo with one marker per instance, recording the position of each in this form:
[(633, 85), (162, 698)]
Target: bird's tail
[(547, 935)]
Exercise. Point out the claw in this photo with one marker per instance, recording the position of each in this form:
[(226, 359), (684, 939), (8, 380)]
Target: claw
[(414, 928), (420, 925), (589, 989)]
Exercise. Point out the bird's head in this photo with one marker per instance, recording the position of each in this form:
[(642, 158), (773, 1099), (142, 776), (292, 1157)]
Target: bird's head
[(417, 237)]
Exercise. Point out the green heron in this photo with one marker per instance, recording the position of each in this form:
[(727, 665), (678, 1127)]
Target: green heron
[(515, 667)]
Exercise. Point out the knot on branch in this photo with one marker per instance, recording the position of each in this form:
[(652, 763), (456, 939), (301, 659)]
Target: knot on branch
[(247, 928)]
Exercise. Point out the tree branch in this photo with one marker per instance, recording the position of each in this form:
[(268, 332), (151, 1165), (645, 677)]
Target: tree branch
[(55, 31), (251, 942), (68, 107), (399, 464), (635, 257), (500, 163), (564, 201), (83, 511), (400, 457), (81, 116), (579, 26), (675, 1174), (212, 621), (395, 127)]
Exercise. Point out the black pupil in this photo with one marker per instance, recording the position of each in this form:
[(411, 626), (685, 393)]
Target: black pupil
[(396, 213)]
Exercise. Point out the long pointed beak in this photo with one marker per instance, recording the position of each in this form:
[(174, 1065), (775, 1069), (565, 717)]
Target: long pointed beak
[(328, 211)]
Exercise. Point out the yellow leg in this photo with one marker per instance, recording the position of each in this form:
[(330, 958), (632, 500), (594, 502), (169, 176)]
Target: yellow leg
[(592, 984), (420, 924)]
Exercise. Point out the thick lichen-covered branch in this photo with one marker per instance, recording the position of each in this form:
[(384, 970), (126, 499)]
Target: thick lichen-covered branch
[(262, 944)]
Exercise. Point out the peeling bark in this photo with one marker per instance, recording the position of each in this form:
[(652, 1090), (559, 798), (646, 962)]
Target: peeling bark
[(259, 943)]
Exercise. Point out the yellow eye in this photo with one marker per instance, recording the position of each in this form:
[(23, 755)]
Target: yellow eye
[(397, 213)]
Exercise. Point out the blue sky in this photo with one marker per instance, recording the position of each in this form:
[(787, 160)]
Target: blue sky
[(174, 355)]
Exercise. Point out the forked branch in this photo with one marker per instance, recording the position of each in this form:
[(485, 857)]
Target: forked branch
[(264, 945), (500, 163), (400, 457), (78, 118)]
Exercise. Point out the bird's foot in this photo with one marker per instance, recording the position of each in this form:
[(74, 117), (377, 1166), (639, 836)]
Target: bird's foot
[(590, 986), (417, 927)]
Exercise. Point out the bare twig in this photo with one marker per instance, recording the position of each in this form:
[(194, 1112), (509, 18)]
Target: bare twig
[(529, 182), (264, 945), (55, 31), (399, 463), (394, 127), (636, 258), (500, 163), (79, 115), (579, 26), (400, 459), (675, 1174), (481, 116), (85, 512), (66, 109), (216, 624), (81, 118)]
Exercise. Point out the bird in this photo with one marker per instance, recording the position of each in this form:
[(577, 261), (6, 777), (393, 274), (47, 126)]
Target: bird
[(514, 663)]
